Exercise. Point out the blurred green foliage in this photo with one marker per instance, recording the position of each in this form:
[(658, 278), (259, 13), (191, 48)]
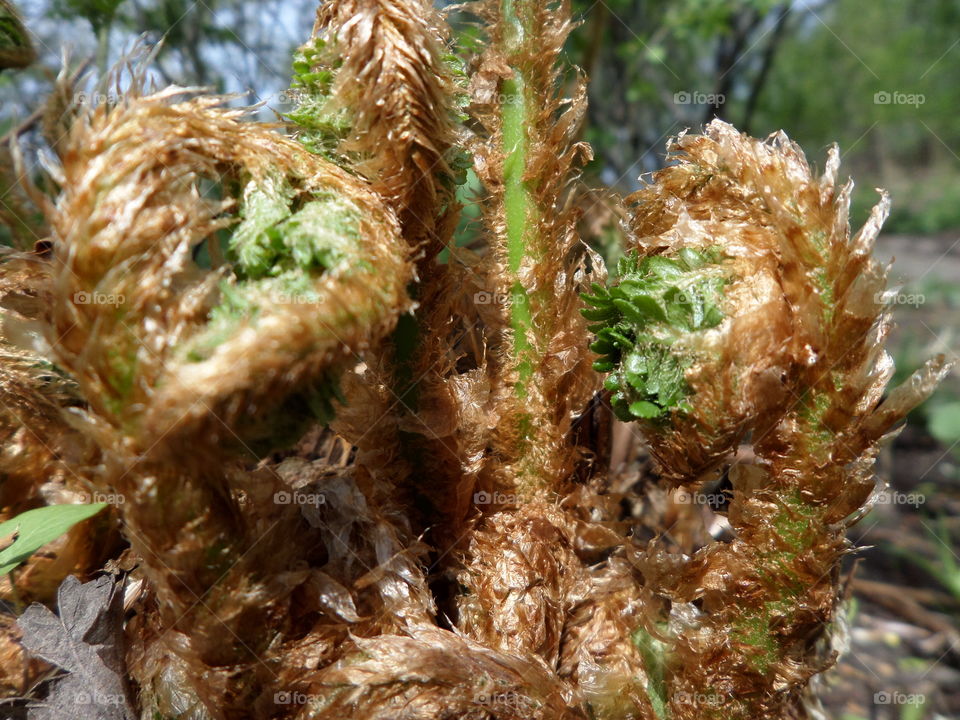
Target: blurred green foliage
[(879, 78), (96, 12), (876, 76)]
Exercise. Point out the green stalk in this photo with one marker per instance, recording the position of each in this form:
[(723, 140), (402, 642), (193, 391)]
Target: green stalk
[(103, 46), (518, 199)]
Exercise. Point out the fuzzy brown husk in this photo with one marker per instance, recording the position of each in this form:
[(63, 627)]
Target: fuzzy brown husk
[(802, 366)]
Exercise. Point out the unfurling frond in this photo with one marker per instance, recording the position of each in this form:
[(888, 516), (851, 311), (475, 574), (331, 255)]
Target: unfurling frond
[(157, 342), (746, 306), (308, 268), (380, 82), (702, 355)]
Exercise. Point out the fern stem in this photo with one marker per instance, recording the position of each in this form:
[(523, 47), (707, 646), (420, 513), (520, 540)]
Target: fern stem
[(518, 197)]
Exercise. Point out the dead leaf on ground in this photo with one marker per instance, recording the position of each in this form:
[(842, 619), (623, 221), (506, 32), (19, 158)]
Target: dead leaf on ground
[(85, 640)]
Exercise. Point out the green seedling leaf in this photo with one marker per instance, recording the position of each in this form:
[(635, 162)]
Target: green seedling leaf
[(601, 298), (35, 528), (638, 320), (599, 314), (664, 267), (622, 340), (644, 409)]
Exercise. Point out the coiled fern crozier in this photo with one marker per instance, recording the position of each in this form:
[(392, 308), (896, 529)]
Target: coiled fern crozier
[(214, 289)]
